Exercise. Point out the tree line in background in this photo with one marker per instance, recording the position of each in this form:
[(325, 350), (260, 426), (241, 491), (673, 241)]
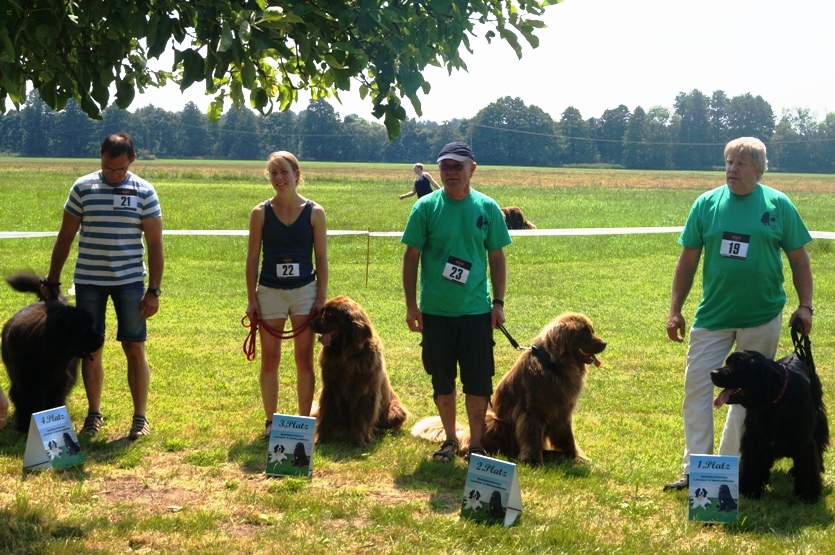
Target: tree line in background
[(507, 132)]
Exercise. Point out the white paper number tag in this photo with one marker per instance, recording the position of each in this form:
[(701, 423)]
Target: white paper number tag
[(287, 268), (734, 245), (125, 199), (457, 270)]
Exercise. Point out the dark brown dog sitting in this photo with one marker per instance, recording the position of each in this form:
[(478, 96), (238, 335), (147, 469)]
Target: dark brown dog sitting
[(530, 416), (514, 219), (356, 393)]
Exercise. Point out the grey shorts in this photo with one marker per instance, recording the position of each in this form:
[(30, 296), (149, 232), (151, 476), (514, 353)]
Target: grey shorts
[(453, 342)]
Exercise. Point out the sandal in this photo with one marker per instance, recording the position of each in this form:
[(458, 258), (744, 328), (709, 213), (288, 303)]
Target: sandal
[(475, 450), (268, 428), (447, 452)]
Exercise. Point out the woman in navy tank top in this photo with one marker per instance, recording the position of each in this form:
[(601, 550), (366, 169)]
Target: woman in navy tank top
[(288, 241), (424, 184)]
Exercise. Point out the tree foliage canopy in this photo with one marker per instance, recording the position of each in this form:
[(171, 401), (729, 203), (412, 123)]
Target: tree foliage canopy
[(260, 51)]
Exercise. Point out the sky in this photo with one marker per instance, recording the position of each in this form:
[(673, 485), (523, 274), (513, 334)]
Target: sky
[(597, 54)]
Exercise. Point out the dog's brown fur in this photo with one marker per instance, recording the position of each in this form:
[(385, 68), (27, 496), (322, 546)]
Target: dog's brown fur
[(356, 393), (531, 410), (514, 219)]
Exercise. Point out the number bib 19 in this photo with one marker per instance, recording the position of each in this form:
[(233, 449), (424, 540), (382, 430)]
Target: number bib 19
[(457, 270), (125, 199), (734, 245), (287, 268)]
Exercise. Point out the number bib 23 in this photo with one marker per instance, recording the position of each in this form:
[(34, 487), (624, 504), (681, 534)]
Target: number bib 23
[(457, 270)]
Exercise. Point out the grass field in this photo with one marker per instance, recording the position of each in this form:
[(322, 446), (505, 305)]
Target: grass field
[(197, 485)]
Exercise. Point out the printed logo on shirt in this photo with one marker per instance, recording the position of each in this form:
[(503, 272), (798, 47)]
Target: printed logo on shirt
[(767, 219)]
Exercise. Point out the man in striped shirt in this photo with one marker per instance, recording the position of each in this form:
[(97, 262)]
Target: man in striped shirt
[(110, 210)]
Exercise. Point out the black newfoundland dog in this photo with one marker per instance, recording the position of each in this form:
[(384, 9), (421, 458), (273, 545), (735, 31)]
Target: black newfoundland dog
[(785, 417), (41, 347)]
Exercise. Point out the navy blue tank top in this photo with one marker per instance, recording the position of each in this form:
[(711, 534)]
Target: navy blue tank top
[(287, 261), (422, 186)]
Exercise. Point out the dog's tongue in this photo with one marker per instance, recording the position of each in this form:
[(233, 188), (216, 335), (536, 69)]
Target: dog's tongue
[(722, 398), (325, 339), (596, 361)]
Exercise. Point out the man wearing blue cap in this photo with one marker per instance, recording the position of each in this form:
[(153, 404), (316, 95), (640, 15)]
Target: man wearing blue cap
[(454, 235)]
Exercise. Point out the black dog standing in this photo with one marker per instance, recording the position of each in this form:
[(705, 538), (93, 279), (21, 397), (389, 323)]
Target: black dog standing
[(41, 347), (785, 417)]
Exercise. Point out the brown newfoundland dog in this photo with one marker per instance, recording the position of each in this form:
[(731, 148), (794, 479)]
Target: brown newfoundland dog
[(531, 410), (514, 219), (356, 396), (41, 347)]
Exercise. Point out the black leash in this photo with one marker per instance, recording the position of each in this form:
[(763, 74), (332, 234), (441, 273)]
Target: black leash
[(513, 342), (802, 343), (539, 353)]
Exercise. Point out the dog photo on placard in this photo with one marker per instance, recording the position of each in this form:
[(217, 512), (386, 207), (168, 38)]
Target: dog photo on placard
[(726, 501), (356, 397), (41, 347), (530, 413), (700, 499), (300, 457), (785, 417)]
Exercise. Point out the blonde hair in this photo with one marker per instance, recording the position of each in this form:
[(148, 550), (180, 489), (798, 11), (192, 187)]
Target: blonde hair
[(418, 166), (752, 147), (282, 157)]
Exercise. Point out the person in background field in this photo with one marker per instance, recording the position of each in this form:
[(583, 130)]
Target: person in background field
[(113, 208), (742, 228), (424, 184), (289, 231), (454, 236)]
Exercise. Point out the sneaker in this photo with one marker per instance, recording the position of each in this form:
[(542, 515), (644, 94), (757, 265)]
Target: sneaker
[(139, 428), (92, 424), (682, 483)]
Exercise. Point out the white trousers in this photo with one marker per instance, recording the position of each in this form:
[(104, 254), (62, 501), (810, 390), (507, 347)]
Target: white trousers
[(706, 352)]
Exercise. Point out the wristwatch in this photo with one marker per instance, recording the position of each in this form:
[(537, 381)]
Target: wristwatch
[(155, 291), (809, 307)]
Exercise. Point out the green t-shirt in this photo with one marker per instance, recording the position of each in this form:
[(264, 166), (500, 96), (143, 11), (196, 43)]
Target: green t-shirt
[(454, 237), (741, 238)]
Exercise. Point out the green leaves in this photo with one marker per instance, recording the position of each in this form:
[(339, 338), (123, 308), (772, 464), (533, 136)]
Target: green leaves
[(246, 50)]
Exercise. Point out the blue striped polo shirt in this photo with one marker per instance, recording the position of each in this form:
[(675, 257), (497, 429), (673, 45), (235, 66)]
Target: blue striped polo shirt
[(110, 248)]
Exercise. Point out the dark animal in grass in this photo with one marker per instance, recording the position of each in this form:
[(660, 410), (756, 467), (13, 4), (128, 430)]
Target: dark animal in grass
[(42, 344), (785, 417), (71, 446), (494, 508), (530, 415), (726, 501), (300, 457), (356, 396), (514, 219)]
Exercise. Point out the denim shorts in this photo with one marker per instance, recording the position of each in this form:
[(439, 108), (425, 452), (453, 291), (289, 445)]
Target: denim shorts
[(464, 342), (126, 301)]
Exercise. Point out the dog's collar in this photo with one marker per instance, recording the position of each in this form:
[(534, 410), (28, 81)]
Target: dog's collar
[(785, 382), (543, 357)]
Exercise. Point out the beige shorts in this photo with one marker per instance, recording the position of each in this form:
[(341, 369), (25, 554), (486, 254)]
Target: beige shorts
[(280, 303)]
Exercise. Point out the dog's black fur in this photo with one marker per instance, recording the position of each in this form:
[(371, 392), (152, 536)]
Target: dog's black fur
[(726, 500), (41, 347), (785, 417), (72, 447)]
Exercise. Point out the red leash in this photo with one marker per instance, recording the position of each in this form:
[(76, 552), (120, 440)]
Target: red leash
[(249, 342)]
